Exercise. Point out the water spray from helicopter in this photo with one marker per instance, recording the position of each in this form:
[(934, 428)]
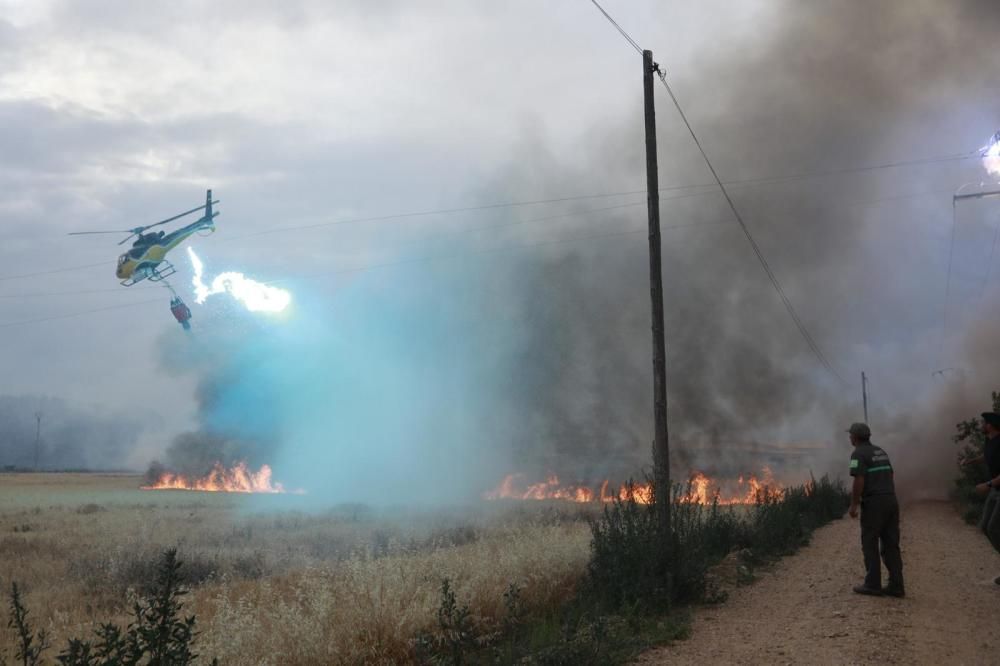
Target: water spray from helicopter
[(256, 296), (991, 155)]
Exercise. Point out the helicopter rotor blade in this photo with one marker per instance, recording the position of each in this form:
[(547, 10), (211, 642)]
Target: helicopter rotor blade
[(135, 231), (171, 219), (84, 233)]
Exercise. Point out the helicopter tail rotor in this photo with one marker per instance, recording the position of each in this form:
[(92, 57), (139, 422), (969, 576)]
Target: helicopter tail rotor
[(136, 231)]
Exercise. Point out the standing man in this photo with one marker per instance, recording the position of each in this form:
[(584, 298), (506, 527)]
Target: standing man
[(990, 522), (875, 492)]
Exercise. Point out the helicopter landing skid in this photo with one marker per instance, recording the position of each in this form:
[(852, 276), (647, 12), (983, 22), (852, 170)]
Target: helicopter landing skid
[(165, 270)]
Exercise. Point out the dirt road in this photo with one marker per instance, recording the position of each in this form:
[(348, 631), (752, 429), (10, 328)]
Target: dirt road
[(804, 612)]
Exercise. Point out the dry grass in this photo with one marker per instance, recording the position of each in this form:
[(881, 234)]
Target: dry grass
[(272, 582)]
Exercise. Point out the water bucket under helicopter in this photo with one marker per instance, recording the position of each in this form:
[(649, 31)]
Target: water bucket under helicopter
[(181, 312)]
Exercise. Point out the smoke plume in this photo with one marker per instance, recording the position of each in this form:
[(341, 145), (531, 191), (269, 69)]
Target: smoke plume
[(533, 352)]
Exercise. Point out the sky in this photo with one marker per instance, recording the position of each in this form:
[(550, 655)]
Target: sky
[(515, 338)]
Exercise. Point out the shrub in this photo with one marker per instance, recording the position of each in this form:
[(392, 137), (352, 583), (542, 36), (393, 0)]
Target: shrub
[(631, 569), (455, 637), (626, 562), (30, 645), (971, 440), (158, 636)]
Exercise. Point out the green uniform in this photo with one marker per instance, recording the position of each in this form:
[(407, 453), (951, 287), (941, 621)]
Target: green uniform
[(990, 520), (879, 516)]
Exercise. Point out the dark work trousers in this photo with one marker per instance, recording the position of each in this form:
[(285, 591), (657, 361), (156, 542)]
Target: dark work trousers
[(880, 524), (990, 522)]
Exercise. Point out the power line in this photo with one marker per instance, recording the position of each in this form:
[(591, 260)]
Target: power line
[(806, 335), (404, 262), (746, 181), (463, 209), (493, 250), (392, 216), (516, 204), (494, 227), (50, 272), (989, 262), (78, 314), (507, 225), (487, 228), (956, 197), (619, 28), (342, 271), (956, 157), (947, 282), (75, 292)]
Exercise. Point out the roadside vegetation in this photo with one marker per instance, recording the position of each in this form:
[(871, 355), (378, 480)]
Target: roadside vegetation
[(635, 595), (545, 583), (971, 440)]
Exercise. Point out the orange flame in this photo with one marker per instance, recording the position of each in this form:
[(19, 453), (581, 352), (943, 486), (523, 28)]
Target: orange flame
[(700, 489), (749, 490), (238, 479), (512, 487)]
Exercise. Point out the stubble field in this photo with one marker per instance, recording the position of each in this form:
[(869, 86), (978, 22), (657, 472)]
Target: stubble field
[(273, 580)]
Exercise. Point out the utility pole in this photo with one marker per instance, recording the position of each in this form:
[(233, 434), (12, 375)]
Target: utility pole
[(38, 433), (864, 394), (661, 444)]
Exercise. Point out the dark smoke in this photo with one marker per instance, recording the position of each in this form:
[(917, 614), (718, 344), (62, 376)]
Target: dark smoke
[(860, 255), (538, 360), (222, 437)]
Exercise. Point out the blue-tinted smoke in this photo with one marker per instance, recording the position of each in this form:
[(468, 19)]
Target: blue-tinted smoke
[(385, 388)]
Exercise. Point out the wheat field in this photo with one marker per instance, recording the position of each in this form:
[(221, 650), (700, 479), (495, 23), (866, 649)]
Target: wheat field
[(273, 581)]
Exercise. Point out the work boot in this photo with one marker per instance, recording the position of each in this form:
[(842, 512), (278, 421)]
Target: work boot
[(870, 591), (894, 592)]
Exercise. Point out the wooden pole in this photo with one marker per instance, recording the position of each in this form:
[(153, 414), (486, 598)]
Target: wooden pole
[(38, 432), (864, 394), (661, 445)]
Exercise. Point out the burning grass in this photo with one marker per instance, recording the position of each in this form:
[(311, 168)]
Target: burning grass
[(349, 585), (700, 489), (236, 479), (274, 584)]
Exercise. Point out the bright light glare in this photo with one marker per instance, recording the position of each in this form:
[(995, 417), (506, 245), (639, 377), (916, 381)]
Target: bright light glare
[(257, 297), (991, 155)]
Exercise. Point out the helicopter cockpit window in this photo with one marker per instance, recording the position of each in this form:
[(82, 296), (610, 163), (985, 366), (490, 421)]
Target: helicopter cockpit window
[(122, 259), (136, 252)]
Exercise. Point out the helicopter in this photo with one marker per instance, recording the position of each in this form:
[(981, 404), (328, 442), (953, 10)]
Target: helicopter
[(147, 258)]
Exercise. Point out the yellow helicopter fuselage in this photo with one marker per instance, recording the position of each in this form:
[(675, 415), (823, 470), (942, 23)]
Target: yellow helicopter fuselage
[(149, 252)]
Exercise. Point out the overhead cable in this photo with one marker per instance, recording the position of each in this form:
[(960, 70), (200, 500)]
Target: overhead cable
[(78, 314), (406, 261), (806, 335), (799, 324), (619, 28)]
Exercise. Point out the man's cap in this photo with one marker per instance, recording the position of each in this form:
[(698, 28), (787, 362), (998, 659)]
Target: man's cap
[(861, 430), (993, 418)]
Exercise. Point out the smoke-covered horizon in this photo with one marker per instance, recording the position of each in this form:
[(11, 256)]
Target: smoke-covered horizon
[(47, 433)]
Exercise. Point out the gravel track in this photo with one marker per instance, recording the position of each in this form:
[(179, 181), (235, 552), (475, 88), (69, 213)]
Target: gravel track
[(802, 611)]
